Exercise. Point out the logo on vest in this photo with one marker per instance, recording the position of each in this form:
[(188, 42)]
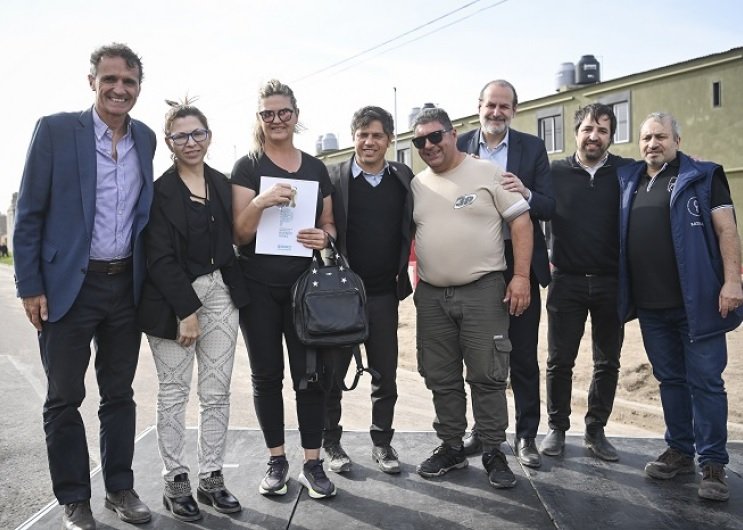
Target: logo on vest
[(692, 205), (464, 200), (671, 184)]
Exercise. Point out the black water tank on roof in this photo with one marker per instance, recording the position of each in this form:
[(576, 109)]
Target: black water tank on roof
[(588, 70)]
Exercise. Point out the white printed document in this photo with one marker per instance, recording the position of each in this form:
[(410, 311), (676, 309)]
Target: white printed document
[(278, 227)]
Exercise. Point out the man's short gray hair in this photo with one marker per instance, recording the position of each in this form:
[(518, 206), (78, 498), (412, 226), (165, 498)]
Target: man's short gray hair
[(429, 115), (662, 117)]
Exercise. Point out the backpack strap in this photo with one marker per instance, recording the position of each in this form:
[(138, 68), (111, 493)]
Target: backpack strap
[(311, 374), (356, 351), (335, 366)]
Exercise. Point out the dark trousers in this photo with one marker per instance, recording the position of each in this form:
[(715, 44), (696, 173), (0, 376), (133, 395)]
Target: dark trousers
[(264, 321), (381, 354), (571, 297), (524, 373), (524, 365), (103, 312)]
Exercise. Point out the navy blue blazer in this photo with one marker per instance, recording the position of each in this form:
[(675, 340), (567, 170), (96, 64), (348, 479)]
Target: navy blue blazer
[(56, 209), (527, 159), (339, 176)]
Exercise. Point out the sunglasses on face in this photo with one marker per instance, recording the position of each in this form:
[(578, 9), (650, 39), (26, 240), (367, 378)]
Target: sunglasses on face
[(198, 136), (283, 114), (435, 138)]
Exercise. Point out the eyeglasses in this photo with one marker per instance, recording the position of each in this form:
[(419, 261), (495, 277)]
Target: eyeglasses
[(435, 138), (198, 136), (284, 115)]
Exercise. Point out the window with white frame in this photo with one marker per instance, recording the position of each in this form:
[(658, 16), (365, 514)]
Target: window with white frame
[(621, 111), (551, 128), (620, 104), (404, 156)]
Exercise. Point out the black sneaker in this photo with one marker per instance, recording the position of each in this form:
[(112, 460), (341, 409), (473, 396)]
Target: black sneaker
[(338, 460), (499, 474), (313, 478), (444, 458), (713, 486), (671, 463), (277, 475)]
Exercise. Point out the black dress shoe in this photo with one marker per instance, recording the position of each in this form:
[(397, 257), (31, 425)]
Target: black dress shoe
[(127, 506), (471, 443), (77, 516), (211, 491), (596, 442), (526, 452), (178, 500), (554, 443)]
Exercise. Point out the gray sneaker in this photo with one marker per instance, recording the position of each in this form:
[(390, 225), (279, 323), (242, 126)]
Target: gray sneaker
[(338, 460), (713, 486), (671, 463), (386, 458), (277, 475)]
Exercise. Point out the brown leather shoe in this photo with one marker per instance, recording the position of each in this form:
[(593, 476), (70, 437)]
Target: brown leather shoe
[(127, 506), (77, 516)]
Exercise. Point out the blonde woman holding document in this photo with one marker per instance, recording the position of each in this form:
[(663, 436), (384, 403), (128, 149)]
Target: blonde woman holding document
[(268, 319)]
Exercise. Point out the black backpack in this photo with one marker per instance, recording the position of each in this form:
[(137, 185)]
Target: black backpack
[(329, 309)]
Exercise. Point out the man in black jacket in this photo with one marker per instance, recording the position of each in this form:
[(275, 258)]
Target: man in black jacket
[(373, 208), (524, 158), (585, 256)]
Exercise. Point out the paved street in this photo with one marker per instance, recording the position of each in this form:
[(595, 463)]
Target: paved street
[(25, 487)]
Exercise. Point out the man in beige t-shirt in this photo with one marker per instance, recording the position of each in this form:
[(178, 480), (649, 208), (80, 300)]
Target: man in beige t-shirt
[(462, 300)]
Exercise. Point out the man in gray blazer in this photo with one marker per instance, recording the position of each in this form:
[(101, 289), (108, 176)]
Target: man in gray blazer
[(84, 200), (373, 210)]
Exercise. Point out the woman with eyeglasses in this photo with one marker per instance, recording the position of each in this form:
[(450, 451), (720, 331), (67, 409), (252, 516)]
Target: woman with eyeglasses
[(189, 310), (268, 318)]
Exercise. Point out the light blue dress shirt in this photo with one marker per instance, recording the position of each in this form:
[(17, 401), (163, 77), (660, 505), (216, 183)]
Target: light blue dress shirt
[(119, 183), (373, 179)]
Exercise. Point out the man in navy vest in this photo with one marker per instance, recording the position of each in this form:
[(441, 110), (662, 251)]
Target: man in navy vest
[(84, 199), (680, 274), (373, 210)]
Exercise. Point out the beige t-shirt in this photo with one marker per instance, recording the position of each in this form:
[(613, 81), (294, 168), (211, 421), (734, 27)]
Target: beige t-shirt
[(458, 216)]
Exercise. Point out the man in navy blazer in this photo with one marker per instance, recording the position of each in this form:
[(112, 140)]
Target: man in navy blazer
[(84, 199), (524, 158), (373, 211)]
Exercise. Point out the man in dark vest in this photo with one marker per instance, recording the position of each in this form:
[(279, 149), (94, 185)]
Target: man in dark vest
[(679, 273), (373, 207)]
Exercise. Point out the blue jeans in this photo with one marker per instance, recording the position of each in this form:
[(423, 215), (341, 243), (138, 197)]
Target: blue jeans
[(695, 404)]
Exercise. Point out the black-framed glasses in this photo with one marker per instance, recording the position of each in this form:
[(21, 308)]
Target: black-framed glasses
[(283, 114), (435, 138), (198, 136)]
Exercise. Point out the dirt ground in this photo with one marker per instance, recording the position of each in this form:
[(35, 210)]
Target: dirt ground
[(638, 401)]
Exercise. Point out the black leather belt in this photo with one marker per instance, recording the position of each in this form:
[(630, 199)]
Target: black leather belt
[(110, 267)]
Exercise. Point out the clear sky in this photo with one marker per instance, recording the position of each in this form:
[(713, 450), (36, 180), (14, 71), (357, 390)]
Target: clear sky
[(223, 50)]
